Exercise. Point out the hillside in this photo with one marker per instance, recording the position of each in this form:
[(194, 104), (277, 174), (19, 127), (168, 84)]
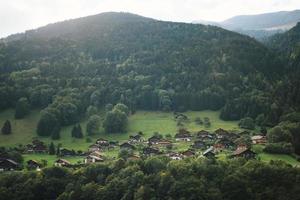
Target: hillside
[(144, 63)]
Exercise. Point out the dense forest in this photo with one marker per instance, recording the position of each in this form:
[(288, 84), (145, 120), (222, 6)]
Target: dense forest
[(143, 63), (157, 178)]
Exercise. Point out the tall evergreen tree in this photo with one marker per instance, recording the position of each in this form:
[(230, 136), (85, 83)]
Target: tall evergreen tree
[(55, 135), (6, 129), (22, 108), (52, 149)]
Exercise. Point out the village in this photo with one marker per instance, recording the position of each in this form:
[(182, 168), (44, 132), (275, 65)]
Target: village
[(184, 144)]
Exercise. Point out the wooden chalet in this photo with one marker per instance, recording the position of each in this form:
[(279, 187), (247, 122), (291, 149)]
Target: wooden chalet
[(8, 164), (127, 146), (244, 153), (183, 135), (198, 144), (62, 163), (209, 153), (188, 153), (135, 138), (33, 165), (149, 151), (66, 152), (175, 156), (94, 147), (102, 142), (221, 133), (133, 157), (93, 159), (259, 139), (154, 139), (226, 142)]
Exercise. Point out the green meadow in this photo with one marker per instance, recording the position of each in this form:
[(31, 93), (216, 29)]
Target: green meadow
[(23, 131)]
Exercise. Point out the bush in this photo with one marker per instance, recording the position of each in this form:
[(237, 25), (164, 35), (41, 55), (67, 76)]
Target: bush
[(247, 123), (280, 148)]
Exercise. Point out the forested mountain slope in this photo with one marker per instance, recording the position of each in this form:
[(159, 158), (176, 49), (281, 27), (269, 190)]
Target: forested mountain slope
[(144, 63)]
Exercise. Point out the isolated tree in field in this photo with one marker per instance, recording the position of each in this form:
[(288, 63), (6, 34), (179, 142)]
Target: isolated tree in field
[(77, 131), (22, 108), (46, 124), (52, 149), (115, 121), (93, 125), (6, 129), (55, 135)]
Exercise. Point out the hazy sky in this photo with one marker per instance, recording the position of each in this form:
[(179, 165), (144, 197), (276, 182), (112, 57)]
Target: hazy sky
[(20, 15)]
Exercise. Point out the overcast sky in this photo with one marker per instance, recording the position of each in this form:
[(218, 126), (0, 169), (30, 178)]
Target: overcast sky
[(20, 15)]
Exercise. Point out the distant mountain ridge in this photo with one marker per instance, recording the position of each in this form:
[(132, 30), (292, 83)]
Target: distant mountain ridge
[(261, 25)]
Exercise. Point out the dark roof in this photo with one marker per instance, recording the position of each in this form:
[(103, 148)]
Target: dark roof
[(8, 160), (62, 161)]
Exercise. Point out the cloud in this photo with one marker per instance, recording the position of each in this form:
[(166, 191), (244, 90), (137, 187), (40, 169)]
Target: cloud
[(20, 15)]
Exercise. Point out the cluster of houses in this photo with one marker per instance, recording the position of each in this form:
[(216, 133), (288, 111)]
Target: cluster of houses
[(202, 143)]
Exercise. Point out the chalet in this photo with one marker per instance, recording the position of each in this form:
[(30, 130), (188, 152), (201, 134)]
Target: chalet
[(37, 146), (198, 144), (259, 139), (154, 139), (102, 142), (127, 146), (209, 153), (8, 164), (94, 147), (67, 152), (180, 115), (33, 165), (135, 138), (164, 142), (226, 142), (93, 159), (134, 157), (148, 151), (62, 163), (175, 156), (218, 147), (202, 133), (221, 133), (183, 135), (244, 153), (188, 153)]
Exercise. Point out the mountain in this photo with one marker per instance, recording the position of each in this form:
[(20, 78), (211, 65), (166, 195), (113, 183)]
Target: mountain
[(268, 21), (141, 62), (262, 25), (288, 42)]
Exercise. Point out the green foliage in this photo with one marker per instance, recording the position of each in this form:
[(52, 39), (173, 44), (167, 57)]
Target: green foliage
[(55, 134), (22, 108), (46, 124), (93, 125), (123, 108), (115, 121), (91, 110), (77, 131), (52, 149), (6, 129), (279, 148), (247, 123), (278, 134)]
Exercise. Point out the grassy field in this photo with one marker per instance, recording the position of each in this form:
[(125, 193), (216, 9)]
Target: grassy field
[(267, 157), (145, 121), (50, 158)]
